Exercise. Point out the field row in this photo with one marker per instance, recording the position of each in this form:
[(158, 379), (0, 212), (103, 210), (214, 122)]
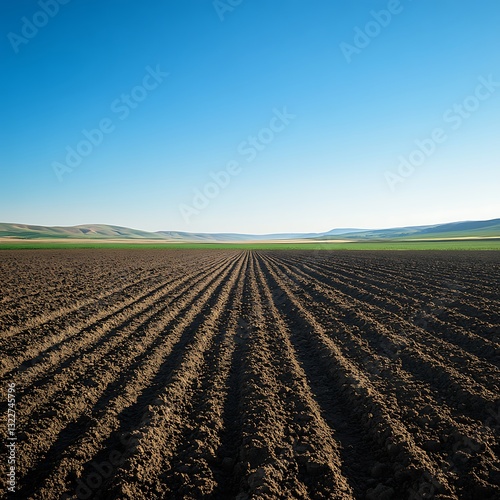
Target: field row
[(228, 374)]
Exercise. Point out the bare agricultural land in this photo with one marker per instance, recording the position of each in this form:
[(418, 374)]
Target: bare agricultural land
[(246, 374)]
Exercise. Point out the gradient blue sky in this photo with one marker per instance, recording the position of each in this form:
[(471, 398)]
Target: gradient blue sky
[(327, 168)]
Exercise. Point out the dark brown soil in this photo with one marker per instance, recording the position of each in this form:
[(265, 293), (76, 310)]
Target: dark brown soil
[(225, 374)]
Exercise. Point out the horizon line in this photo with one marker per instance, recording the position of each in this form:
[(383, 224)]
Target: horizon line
[(252, 234)]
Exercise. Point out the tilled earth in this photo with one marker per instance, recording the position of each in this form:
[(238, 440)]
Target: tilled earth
[(148, 374)]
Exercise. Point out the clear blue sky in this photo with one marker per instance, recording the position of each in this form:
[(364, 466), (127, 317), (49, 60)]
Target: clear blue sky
[(356, 103)]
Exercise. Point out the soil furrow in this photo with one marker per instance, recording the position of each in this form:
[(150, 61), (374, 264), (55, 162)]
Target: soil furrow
[(108, 341), (198, 469), (325, 435), (420, 308), (411, 465), (437, 431), (55, 334), (57, 347), (26, 327), (79, 412), (164, 418), (228, 374), (458, 370)]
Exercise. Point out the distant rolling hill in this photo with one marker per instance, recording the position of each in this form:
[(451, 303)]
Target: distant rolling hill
[(88, 231), (467, 229), (464, 229)]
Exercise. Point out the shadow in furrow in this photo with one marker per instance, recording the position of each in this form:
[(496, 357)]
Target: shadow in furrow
[(130, 418), (358, 451)]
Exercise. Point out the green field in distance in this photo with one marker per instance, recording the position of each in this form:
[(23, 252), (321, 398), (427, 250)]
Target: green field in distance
[(479, 244)]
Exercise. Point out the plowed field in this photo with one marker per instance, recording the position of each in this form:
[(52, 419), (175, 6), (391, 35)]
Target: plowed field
[(150, 374)]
